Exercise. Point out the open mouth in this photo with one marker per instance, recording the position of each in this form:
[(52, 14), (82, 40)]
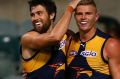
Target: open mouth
[(39, 23), (83, 22)]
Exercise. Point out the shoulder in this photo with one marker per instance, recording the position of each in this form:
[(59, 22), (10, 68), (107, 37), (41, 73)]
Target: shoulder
[(69, 33), (112, 43), (112, 47), (28, 36)]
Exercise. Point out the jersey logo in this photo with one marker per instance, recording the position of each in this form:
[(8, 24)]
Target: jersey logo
[(73, 53), (62, 44), (88, 53)]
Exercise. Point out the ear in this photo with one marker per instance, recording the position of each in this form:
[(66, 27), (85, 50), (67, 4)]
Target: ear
[(52, 15), (97, 16)]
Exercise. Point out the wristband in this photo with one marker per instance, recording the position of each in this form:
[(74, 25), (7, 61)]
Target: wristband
[(70, 9)]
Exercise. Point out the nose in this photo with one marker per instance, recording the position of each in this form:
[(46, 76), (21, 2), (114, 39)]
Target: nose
[(83, 16)]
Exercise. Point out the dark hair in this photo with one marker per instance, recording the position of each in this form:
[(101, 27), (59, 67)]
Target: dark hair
[(48, 4), (111, 25)]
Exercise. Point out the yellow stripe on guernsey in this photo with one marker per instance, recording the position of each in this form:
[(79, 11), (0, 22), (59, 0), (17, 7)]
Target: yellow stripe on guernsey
[(62, 48), (62, 67), (96, 63), (92, 46), (74, 46), (37, 62), (42, 58), (62, 44)]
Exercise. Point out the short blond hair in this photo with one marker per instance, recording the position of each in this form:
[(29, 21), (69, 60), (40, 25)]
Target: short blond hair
[(87, 2)]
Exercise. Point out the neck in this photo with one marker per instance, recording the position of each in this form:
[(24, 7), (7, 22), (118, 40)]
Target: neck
[(85, 36), (51, 27)]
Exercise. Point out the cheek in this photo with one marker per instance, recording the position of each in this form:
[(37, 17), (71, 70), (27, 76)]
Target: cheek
[(77, 18), (45, 18), (45, 21), (92, 19), (32, 20)]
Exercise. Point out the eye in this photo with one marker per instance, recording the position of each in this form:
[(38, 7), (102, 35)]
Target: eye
[(78, 13), (88, 13), (32, 14), (39, 13)]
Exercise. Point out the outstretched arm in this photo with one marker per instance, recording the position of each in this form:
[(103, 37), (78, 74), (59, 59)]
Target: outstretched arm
[(113, 51), (35, 40)]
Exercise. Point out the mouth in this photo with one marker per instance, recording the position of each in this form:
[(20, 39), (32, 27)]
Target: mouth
[(39, 24), (83, 22)]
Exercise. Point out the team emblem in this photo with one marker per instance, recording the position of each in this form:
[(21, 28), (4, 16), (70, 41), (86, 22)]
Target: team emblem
[(73, 53), (62, 44)]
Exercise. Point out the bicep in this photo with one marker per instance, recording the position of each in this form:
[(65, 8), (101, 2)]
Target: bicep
[(37, 41), (113, 50), (114, 66)]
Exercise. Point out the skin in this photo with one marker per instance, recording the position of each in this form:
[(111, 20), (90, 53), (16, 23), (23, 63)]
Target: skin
[(40, 15), (43, 36), (112, 49), (86, 17)]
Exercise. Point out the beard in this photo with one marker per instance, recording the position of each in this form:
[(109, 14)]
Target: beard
[(44, 27)]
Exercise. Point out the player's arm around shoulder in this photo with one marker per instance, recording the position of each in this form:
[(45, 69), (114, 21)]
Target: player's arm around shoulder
[(113, 52), (35, 40)]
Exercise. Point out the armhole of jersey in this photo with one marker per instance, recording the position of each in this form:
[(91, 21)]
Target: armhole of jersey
[(102, 52), (28, 59), (21, 50)]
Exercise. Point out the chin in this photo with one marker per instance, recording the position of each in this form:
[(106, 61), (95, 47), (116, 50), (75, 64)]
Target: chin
[(83, 29)]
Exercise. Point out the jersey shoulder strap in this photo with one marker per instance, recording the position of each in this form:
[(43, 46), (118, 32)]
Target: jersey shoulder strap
[(70, 35)]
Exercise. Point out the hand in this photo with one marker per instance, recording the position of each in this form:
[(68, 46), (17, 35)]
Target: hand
[(74, 3), (24, 75)]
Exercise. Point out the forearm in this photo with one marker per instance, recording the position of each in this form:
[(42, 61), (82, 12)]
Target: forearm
[(63, 24), (52, 36)]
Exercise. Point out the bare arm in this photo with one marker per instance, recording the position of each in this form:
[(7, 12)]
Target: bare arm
[(113, 51), (35, 40)]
